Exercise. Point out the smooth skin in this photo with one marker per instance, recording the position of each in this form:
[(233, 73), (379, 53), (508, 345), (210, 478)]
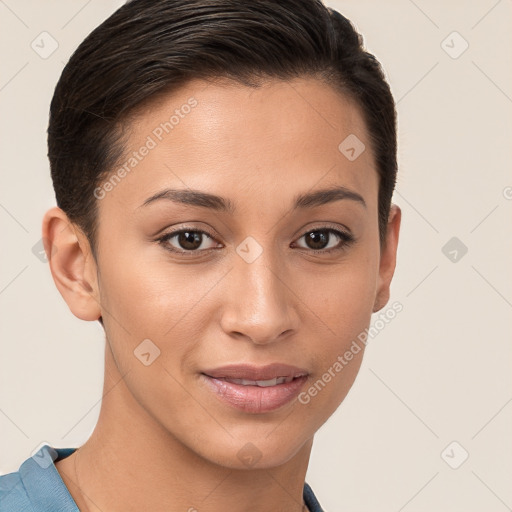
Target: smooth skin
[(164, 441)]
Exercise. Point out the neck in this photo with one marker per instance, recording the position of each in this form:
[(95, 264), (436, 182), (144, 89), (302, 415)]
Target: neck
[(130, 462)]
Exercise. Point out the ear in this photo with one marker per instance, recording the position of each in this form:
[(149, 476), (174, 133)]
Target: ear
[(72, 264), (388, 258)]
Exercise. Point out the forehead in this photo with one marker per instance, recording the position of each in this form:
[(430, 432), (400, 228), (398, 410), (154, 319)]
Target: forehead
[(221, 135)]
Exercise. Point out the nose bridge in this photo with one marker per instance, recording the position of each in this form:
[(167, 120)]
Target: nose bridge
[(261, 305)]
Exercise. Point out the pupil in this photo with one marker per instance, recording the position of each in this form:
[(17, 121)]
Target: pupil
[(189, 240), (319, 239)]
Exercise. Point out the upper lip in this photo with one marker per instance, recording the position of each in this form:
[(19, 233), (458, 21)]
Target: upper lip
[(252, 372)]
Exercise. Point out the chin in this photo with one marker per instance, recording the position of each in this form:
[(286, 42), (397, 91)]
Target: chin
[(255, 452)]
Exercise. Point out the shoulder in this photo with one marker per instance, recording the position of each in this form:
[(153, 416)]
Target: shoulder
[(13, 495), (37, 485)]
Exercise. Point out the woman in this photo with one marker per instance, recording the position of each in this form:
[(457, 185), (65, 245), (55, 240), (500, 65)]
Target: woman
[(223, 173)]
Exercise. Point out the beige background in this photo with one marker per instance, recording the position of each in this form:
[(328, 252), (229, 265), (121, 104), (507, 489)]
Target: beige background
[(439, 372)]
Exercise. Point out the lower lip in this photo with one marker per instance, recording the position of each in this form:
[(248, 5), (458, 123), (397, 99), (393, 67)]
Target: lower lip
[(255, 399)]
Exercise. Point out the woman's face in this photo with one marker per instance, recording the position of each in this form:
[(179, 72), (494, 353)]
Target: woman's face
[(267, 272)]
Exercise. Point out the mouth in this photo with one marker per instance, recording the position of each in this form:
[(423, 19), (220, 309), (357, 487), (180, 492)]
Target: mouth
[(255, 389)]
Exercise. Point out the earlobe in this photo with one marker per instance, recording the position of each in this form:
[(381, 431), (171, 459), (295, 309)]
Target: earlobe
[(72, 265), (388, 258)]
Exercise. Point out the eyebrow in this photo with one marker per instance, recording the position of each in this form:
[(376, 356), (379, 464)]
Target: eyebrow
[(221, 204)]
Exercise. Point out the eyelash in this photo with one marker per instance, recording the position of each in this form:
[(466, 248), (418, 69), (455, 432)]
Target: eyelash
[(346, 239)]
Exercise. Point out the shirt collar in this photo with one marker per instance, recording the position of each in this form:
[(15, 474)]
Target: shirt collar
[(44, 486)]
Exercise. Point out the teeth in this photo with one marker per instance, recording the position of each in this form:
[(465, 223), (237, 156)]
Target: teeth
[(262, 383)]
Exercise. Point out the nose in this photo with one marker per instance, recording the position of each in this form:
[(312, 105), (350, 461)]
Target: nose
[(261, 305)]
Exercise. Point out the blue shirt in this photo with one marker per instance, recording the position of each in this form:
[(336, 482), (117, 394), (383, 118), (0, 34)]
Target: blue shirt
[(38, 487)]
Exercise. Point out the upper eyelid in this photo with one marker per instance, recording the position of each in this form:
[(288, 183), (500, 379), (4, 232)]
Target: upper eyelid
[(177, 231)]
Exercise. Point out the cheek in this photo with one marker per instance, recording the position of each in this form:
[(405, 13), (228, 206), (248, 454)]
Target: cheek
[(345, 315), (151, 301), (341, 298), (150, 296), (339, 306)]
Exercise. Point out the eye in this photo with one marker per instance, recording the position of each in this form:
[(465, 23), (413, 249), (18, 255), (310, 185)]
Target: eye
[(187, 241), (326, 240)]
